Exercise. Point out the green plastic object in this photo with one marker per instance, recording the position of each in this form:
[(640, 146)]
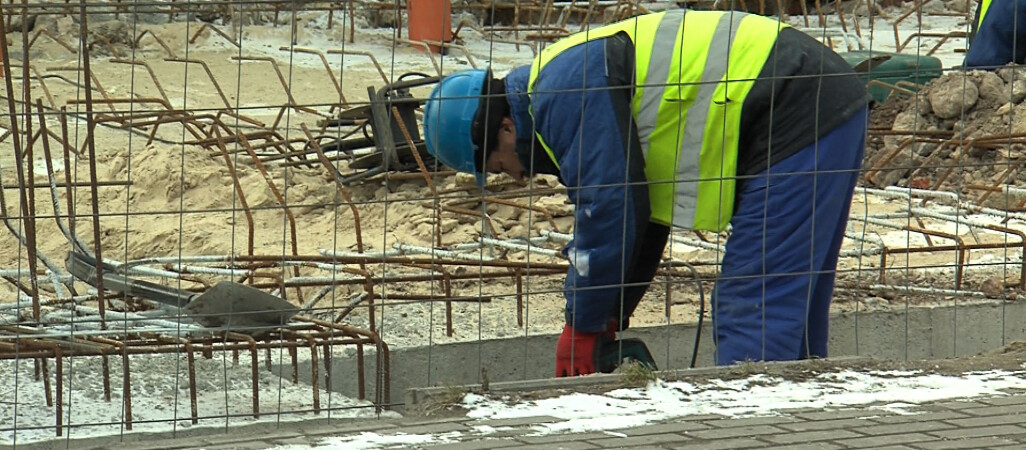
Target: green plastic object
[(885, 72)]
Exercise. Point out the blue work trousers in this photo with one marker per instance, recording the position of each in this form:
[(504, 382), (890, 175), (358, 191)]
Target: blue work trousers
[(772, 299)]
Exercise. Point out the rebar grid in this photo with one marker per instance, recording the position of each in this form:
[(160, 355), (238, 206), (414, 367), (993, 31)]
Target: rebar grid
[(54, 318)]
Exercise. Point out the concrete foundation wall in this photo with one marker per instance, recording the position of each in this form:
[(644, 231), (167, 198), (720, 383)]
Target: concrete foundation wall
[(919, 333)]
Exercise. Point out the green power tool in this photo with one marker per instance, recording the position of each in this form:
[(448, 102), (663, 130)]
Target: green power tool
[(614, 353)]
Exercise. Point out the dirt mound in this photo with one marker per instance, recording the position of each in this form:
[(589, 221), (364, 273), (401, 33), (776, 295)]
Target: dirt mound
[(956, 134)]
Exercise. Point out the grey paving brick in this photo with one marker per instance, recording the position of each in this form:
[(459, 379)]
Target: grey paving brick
[(252, 445), (724, 433), (943, 414), (702, 417), (810, 436), (750, 421), (839, 424), (909, 427), (293, 441), (986, 421), (997, 410), (161, 444), (676, 427), (429, 421), (971, 443), (843, 414), (514, 422), (557, 438), (890, 439), (961, 405), (894, 447), (814, 446), (569, 445), (1016, 399), (235, 437), (721, 444), (482, 444), (343, 428), (632, 441), (502, 433), (435, 428), (997, 430)]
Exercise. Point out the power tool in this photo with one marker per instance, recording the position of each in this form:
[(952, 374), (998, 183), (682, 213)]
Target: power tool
[(614, 353)]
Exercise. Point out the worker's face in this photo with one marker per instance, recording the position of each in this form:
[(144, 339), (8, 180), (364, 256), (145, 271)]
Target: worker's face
[(504, 159)]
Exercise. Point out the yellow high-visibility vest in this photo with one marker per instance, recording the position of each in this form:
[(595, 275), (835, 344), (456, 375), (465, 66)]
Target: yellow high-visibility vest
[(694, 70)]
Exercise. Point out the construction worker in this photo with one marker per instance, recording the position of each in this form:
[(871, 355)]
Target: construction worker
[(641, 125), (998, 34)]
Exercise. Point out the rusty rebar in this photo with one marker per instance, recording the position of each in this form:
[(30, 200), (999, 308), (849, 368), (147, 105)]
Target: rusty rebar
[(250, 226), (16, 136), (281, 200), (91, 152), (160, 42), (210, 76), (207, 26)]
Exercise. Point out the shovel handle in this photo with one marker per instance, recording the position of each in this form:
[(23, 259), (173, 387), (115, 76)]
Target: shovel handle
[(83, 267)]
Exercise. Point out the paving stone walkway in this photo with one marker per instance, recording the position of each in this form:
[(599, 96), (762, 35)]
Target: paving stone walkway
[(996, 422)]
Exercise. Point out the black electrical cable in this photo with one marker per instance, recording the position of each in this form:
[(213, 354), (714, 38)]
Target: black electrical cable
[(701, 311)]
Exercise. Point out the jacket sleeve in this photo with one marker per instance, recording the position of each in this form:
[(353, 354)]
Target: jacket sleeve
[(582, 110), (1001, 38)]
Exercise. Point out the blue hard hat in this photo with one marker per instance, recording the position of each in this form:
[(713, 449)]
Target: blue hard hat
[(449, 120)]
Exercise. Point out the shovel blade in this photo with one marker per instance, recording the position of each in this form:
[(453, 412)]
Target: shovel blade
[(238, 306)]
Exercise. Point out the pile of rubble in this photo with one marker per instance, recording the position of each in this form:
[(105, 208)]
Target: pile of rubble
[(963, 132)]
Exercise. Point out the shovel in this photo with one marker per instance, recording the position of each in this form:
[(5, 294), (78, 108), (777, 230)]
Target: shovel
[(226, 304)]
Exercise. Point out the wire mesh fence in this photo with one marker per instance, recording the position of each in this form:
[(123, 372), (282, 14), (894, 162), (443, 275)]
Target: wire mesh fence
[(225, 212)]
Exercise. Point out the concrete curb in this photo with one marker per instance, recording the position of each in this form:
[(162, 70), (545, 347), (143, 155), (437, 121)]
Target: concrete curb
[(419, 400)]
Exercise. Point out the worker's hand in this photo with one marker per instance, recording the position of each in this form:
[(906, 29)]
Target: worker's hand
[(576, 352)]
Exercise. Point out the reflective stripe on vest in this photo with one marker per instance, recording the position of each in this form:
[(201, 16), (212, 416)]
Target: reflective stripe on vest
[(983, 12), (690, 164)]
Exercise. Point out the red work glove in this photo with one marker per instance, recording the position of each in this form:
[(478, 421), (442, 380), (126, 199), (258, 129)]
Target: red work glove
[(576, 351)]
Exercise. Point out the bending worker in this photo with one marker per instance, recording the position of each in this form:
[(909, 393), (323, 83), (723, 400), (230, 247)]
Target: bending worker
[(998, 34), (695, 120)]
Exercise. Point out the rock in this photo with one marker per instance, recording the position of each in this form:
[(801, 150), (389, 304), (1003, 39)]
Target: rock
[(546, 181), (933, 8), (16, 25), (992, 88), (993, 287), (448, 225), (961, 6), (554, 206), (1016, 151), (891, 171), (116, 32), (47, 22), (517, 231), (909, 121), (1011, 72), (1018, 90), (926, 148), (923, 105), (466, 179), (977, 152), (506, 212), (1019, 119), (1003, 109), (951, 96), (66, 27)]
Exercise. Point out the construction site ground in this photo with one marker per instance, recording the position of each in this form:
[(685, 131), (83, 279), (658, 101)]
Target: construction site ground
[(160, 196)]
